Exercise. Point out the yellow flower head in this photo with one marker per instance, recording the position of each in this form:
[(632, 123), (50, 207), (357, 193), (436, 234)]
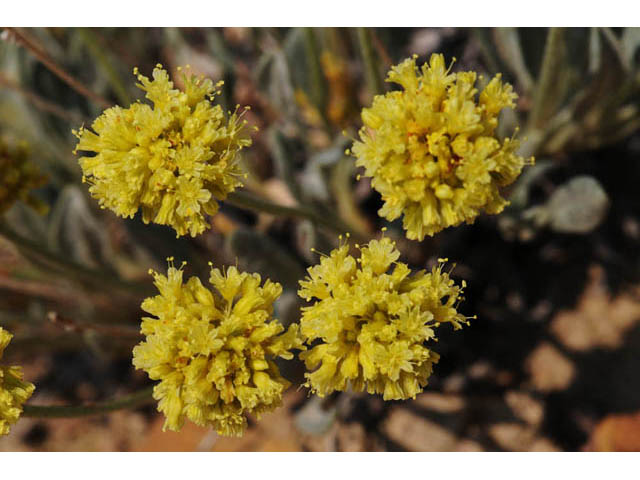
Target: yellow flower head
[(18, 176), (172, 160), (13, 390), (370, 320), (431, 148), (214, 351)]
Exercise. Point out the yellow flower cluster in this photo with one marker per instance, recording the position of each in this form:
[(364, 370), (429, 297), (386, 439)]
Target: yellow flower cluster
[(214, 351), (18, 176), (431, 148), (432, 152), (14, 391), (369, 322), (173, 160)]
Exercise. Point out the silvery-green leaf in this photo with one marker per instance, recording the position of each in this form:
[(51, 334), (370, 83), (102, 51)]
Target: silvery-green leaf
[(315, 176), (510, 50), (295, 53), (595, 50), (75, 232), (631, 43), (25, 221), (282, 151), (273, 77)]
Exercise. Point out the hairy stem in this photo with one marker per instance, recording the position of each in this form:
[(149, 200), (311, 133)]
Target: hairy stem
[(341, 175), (91, 42), (318, 90), (25, 40), (545, 98), (250, 201), (42, 256), (41, 103), (510, 49), (374, 81), (617, 47), (136, 399)]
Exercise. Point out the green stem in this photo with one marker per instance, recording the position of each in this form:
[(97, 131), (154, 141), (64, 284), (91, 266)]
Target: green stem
[(40, 255), (341, 175), (481, 36), (617, 47), (374, 81), (136, 399), (27, 42), (545, 96), (43, 104), (250, 201), (284, 164), (510, 49), (315, 70), (105, 63)]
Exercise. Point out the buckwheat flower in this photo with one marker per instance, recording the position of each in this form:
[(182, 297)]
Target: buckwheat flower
[(173, 160), (431, 148), (370, 320), (14, 391), (213, 350), (18, 177)]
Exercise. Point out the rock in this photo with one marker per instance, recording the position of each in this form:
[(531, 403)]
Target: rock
[(578, 206), (352, 437), (520, 438), (525, 407), (550, 370), (418, 434), (439, 402), (599, 320), (616, 433)]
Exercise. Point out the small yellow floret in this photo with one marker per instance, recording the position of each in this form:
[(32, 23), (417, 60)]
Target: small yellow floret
[(18, 177), (14, 391), (173, 161), (213, 350), (370, 320), (431, 148)]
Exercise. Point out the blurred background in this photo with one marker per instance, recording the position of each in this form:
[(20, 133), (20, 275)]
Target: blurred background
[(550, 363)]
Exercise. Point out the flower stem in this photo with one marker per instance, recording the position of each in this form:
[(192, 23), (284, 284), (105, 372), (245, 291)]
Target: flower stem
[(27, 42), (133, 400), (250, 201), (510, 49), (42, 103), (43, 257), (341, 175), (545, 98), (91, 42), (370, 63), (318, 90)]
